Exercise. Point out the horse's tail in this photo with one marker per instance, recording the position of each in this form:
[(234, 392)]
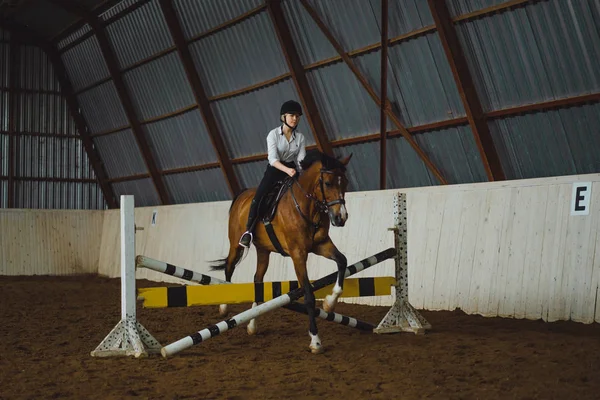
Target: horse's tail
[(219, 265)]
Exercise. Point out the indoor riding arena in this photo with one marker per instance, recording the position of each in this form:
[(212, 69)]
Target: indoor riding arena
[(305, 199)]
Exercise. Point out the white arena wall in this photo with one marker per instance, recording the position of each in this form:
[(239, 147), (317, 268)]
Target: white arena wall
[(509, 249)]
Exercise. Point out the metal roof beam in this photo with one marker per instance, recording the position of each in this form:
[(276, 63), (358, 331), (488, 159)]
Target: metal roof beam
[(382, 116), (466, 89), (299, 76), (388, 110), (200, 95), (108, 52)]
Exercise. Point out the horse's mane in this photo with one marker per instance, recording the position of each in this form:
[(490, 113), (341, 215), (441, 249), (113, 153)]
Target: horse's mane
[(328, 162)]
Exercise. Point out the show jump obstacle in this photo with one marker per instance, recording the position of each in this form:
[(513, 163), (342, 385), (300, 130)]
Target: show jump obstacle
[(129, 337)]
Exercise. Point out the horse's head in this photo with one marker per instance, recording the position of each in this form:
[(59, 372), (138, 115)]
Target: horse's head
[(330, 185)]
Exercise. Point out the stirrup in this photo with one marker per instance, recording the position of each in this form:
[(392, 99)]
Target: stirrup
[(250, 241)]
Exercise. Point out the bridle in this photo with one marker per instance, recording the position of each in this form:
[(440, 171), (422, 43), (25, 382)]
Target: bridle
[(322, 205)]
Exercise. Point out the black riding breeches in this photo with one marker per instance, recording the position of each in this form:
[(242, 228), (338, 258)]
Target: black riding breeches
[(269, 178)]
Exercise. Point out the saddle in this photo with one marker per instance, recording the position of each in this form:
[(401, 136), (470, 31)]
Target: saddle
[(267, 209)]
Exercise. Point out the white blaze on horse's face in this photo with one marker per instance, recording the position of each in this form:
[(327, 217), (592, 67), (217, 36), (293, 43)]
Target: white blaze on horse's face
[(335, 189)]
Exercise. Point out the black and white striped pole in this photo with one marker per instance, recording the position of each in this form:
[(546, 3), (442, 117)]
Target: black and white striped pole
[(178, 272), (270, 305)]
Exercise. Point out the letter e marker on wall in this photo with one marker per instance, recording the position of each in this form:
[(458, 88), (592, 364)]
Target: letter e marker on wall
[(580, 199)]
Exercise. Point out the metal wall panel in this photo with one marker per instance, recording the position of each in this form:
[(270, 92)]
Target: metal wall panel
[(4, 111), (246, 120), (58, 195), (4, 154), (181, 141), (3, 194), (120, 154), (250, 174), (36, 70), (85, 63), (200, 16), (363, 169), (143, 191), (52, 157), (405, 168), (46, 18), (198, 186), (43, 113), (553, 143), (102, 108), (159, 87), (253, 55), (541, 52), (139, 34), (4, 65)]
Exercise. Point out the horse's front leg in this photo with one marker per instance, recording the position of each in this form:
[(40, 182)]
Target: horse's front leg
[(328, 250), (262, 264), (299, 259)]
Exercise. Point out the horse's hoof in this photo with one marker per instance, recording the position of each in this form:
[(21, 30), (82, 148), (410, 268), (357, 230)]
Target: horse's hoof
[(252, 328), (223, 310), (316, 350)]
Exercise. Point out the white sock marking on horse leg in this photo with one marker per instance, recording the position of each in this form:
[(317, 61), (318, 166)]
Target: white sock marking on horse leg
[(315, 343), (252, 328), (331, 299)]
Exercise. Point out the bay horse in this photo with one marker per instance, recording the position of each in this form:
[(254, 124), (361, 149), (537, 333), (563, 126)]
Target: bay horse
[(300, 228)]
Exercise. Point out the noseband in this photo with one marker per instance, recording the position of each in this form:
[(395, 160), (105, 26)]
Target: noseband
[(322, 205)]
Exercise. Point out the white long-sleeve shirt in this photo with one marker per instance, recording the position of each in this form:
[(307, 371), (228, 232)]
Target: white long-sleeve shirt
[(279, 149)]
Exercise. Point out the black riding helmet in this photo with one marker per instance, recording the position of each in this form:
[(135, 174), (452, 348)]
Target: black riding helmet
[(290, 107)]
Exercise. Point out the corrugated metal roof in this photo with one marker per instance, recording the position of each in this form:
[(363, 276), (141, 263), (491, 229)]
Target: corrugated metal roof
[(52, 157), (198, 186), (4, 64), (4, 152), (405, 16), (404, 167), (4, 35), (252, 44), (363, 169), (120, 154), (459, 7), (143, 191), (102, 109), (36, 71), (199, 16), (85, 63), (250, 174), (346, 108), (541, 52), (311, 44), (354, 23), (159, 87), (139, 34), (246, 120), (558, 142), (73, 36), (454, 152), (181, 141), (122, 5), (45, 18)]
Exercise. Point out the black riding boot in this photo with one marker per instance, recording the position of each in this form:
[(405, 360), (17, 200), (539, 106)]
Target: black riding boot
[(247, 236)]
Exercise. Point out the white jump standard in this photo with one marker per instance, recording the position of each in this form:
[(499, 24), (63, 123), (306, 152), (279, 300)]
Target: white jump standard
[(271, 305)]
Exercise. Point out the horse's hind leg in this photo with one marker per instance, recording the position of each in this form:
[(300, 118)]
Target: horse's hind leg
[(328, 250), (262, 263), (309, 301), (235, 253)]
